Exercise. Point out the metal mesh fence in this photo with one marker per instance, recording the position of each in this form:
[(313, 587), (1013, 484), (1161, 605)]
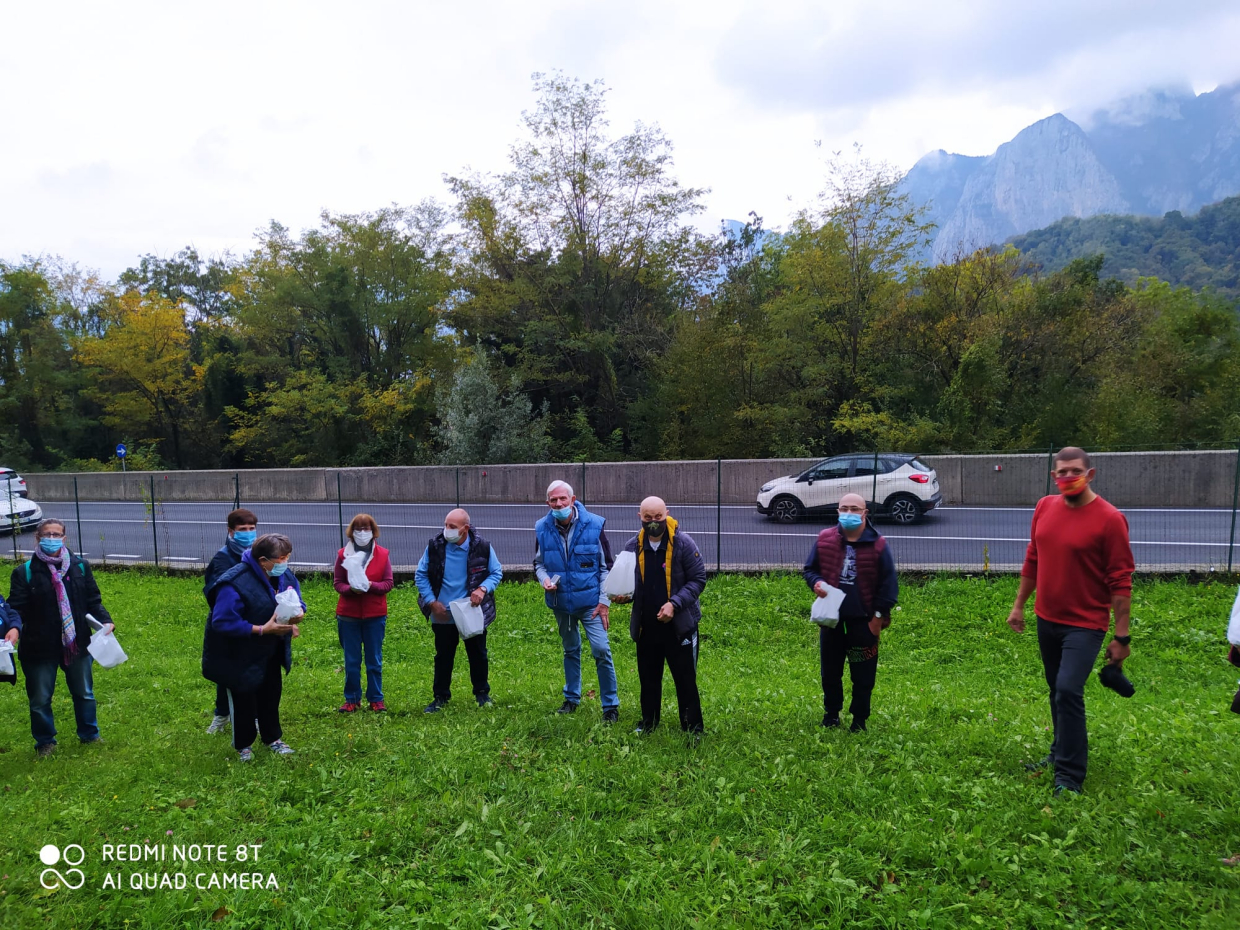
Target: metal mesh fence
[(954, 512)]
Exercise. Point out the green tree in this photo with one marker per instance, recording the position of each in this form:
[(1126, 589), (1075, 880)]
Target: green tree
[(480, 425)]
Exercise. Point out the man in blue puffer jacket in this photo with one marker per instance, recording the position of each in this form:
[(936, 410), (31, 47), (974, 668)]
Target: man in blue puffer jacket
[(571, 559)]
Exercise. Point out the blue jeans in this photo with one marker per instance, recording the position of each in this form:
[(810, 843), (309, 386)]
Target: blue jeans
[(354, 635), (600, 647), (41, 682)]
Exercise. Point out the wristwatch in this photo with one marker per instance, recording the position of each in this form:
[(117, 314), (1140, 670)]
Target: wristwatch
[(1122, 640)]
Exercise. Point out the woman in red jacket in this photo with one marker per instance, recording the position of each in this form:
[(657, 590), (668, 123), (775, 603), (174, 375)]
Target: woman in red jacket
[(361, 613)]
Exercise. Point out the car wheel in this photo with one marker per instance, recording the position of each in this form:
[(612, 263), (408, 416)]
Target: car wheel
[(904, 509), (787, 509)]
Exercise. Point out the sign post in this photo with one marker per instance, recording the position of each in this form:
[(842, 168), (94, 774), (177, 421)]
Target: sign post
[(121, 451)]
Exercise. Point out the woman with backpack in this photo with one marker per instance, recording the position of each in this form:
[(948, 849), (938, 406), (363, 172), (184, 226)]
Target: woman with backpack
[(53, 593)]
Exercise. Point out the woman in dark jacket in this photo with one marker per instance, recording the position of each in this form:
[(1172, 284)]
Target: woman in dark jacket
[(244, 646), (53, 593), (361, 615)]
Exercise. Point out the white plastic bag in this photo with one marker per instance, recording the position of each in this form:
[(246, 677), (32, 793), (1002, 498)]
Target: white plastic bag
[(103, 647), (469, 619), (7, 670), (826, 610), (623, 576), (1233, 628), (288, 605), (355, 565)]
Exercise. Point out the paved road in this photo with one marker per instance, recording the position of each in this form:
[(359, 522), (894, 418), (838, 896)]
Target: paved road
[(952, 537)]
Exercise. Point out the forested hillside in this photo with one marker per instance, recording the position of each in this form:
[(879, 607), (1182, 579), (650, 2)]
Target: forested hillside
[(567, 308), (1200, 251)]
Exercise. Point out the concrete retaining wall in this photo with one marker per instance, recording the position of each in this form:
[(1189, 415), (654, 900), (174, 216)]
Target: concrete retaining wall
[(1127, 479)]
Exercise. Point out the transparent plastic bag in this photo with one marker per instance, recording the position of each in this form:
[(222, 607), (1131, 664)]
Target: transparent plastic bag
[(355, 565), (103, 647), (826, 610), (469, 620), (1233, 628), (622, 578), (288, 605)]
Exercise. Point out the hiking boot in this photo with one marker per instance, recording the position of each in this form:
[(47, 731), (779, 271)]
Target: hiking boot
[(246, 755), (349, 707), (1066, 791), (434, 706), (485, 701), (91, 741), (218, 724), (45, 750), (830, 720), (857, 726), (568, 707), (1038, 764), (378, 706), (1113, 677), (645, 726), (280, 748), (612, 715)]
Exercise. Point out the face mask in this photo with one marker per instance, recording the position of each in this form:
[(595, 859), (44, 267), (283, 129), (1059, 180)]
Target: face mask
[(1071, 487), (563, 513), (656, 528), (452, 536), (51, 546), (363, 537), (277, 569), (851, 521), (245, 537)]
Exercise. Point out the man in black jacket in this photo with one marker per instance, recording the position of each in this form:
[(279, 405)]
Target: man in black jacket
[(670, 576), (242, 531)]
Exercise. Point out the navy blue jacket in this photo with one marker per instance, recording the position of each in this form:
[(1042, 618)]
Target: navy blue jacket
[(221, 562), (688, 579), (10, 619), (32, 595), (235, 659)]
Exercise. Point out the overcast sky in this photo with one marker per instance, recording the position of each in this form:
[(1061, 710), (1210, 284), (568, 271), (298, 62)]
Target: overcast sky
[(140, 127)]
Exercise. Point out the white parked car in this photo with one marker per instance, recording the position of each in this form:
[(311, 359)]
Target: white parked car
[(12, 483), (900, 488), (18, 513)]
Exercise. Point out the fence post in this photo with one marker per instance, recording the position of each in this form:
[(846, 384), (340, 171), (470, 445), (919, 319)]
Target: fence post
[(154, 524), (1235, 495), (339, 510), (458, 489), (718, 514), (14, 520), (582, 495), (236, 491), (77, 509), (1050, 466), (874, 486)]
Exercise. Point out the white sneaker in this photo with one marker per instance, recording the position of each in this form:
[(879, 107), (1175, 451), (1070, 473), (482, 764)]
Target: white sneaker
[(218, 724), (247, 754), (280, 748)]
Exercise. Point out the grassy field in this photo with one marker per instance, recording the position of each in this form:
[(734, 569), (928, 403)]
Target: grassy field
[(511, 816)]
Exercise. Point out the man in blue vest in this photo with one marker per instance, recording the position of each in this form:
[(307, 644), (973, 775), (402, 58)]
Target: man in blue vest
[(458, 564), (571, 559)]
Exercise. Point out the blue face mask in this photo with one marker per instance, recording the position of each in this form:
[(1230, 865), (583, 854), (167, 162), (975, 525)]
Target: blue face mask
[(245, 537), (277, 569), (563, 513), (51, 546), (851, 521)]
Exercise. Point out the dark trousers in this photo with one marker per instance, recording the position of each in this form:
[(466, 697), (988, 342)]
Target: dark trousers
[(1068, 656), (262, 704), (658, 644), (446, 638), (221, 701), (848, 641)]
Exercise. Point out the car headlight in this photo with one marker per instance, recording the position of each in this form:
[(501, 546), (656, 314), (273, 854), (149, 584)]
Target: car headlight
[(769, 486)]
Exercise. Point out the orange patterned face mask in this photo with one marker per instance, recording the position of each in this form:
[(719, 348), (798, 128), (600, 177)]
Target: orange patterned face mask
[(1071, 487)]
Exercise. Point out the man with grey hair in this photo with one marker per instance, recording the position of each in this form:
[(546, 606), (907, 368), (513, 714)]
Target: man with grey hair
[(571, 559)]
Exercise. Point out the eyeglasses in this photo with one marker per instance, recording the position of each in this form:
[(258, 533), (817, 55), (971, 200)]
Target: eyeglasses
[(52, 536)]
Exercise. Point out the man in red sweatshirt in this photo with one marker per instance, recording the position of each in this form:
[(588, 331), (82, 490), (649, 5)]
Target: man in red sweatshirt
[(1080, 561)]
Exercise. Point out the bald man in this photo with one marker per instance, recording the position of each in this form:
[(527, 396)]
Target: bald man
[(853, 557), (458, 564), (666, 611)]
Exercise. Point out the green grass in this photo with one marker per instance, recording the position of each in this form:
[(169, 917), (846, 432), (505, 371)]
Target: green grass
[(512, 816)]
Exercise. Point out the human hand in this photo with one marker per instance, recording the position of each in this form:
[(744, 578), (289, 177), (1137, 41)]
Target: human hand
[(666, 612), (1016, 619), (621, 598), (272, 628), (821, 589), (1117, 653), (439, 611), (476, 596), (11, 636), (876, 626), (296, 632), (602, 611), (549, 585)]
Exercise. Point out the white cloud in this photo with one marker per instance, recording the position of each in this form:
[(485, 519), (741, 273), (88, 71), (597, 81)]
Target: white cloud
[(144, 128)]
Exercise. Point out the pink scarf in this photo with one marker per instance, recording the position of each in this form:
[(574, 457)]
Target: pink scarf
[(58, 568)]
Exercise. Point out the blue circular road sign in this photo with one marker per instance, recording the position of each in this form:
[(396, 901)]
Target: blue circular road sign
[(120, 450)]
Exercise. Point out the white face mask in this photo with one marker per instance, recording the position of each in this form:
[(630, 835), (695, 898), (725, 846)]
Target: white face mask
[(452, 536), (363, 537)]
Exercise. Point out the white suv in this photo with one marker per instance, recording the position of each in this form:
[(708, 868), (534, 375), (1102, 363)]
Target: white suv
[(900, 487), (12, 483)]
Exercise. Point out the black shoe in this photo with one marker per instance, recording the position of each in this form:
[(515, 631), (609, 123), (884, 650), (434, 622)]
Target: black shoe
[(434, 706), (1112, 676), (485, 701), (1061, 790), (857, 726), (568, 707), (1038, 764), (645, 726), (1235, 703), (611, 716), (830, 720)]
